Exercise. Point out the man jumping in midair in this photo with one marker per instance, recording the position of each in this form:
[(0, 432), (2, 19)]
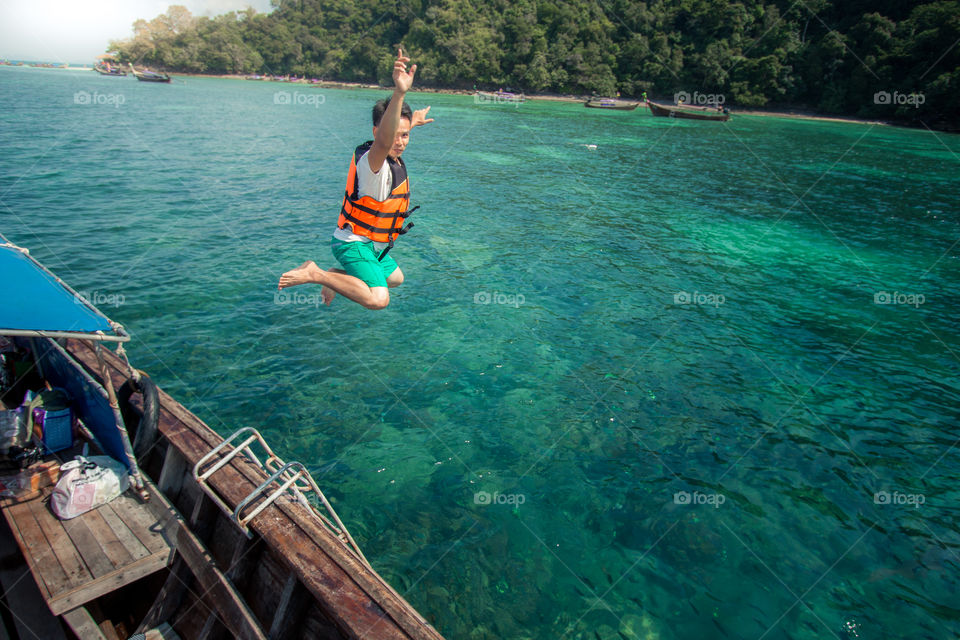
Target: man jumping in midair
[(375, 206)]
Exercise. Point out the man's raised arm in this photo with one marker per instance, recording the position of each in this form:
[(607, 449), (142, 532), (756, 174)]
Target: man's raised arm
[(386, 132)]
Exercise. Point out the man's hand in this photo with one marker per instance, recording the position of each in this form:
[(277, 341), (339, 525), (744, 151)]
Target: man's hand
[(420, 117), (403, 79)]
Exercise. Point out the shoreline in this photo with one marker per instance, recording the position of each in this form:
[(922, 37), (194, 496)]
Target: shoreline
[(801, 115), (795, 114)]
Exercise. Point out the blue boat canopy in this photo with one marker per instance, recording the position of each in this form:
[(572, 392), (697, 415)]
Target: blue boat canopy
[(37, 303)]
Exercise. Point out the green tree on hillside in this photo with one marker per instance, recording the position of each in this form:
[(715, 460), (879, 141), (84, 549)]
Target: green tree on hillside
[(821, 54)]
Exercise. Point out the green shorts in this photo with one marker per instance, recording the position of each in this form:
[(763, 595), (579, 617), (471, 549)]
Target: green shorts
[(359, 259)]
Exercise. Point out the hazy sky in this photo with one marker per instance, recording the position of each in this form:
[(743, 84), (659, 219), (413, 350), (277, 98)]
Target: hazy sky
[(79, 30)]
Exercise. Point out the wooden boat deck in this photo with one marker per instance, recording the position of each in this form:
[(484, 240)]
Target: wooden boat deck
[(78, 560)]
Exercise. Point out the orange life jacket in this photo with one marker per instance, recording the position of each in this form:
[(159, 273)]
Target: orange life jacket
[(381, 221)]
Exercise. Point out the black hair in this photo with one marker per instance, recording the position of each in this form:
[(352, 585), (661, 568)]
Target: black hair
[(381, 107)]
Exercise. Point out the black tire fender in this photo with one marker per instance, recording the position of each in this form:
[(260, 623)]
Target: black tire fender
[(144, 432)]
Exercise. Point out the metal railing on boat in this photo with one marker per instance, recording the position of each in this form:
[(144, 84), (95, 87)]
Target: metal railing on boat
[(283, 478)]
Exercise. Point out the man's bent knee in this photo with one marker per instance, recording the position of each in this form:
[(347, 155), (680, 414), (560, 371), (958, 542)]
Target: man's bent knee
[(379, 299)]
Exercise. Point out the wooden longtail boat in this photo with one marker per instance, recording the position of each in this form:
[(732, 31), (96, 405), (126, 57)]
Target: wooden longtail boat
[(216, 538), (109, 70), (689, 113), (149, 76), (610, 103)]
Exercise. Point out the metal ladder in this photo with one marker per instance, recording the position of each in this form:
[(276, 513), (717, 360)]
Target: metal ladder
[(284, 478)]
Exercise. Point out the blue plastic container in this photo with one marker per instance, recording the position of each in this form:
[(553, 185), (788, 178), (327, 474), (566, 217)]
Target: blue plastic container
[(56, 429)]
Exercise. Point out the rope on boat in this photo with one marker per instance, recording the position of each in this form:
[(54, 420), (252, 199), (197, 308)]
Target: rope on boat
[(135, 475)]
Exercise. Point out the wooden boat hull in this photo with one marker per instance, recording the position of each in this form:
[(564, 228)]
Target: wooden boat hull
[(149, 76), (143, 78), (616, 105), (687, 113), (291, 578)]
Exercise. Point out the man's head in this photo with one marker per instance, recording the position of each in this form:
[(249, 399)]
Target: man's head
[(403, 131)]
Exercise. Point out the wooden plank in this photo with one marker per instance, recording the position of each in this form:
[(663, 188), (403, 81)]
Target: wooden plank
[(74, 570), (143, 522), (33, 544), (83, 625), (204, 516), (169, 598), (172, 473), (111, 544), (108, 630), (293, 600), (235, 614), (212, 628), (85, 543), (246, 552), (105, 624), (71, 559), (32, 617), (67, 600), (181, 581), (122, 533)]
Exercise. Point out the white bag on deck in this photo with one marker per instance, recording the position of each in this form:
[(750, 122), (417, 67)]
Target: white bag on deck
[(86, 483)]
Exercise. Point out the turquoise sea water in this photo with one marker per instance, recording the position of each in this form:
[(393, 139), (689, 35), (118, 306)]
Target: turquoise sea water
[(698, 382)]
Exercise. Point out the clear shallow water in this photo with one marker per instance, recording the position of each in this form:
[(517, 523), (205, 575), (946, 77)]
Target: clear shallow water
[(747, 465)]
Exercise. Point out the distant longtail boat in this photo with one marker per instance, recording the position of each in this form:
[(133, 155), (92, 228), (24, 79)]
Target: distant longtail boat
[(689, 113), (610, 103), (149, 76), (109, 70)]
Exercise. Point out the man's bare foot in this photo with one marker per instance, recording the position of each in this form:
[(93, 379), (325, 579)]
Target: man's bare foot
[(304, 274), (327, 295)]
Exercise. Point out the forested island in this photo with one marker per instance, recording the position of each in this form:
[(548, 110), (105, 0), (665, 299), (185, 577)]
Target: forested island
[(883, 59)]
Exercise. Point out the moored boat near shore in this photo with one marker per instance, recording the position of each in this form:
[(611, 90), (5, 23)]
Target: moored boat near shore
[(106, 69), (686, 112), (611, 103), (149, 76), (107, 65)]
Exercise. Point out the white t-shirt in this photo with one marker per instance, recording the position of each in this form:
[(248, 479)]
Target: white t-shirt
[(376, 184)]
